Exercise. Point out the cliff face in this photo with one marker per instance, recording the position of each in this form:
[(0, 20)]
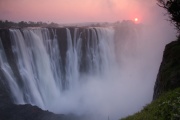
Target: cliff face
[(168, 77)]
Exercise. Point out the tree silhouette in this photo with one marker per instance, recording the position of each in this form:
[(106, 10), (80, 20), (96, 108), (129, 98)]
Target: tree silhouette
[(173, 9)]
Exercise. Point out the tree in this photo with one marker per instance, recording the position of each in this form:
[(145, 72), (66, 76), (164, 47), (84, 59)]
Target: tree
[(173, 9)]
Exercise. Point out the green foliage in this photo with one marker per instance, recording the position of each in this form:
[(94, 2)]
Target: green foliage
[(166, 107), (173, 9)]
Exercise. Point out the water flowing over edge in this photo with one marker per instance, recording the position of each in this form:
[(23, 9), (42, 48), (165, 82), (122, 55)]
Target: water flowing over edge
[(98, 72), (45, 71)]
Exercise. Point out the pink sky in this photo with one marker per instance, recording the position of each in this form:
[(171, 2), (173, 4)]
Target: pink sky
[(76, 11)]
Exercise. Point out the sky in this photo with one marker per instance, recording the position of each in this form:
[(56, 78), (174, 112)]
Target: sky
[(77, 11)]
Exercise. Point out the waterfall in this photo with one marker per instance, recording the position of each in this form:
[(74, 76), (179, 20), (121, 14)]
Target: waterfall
[(33, 62), (92, 71), (8, 74), (42, 76)]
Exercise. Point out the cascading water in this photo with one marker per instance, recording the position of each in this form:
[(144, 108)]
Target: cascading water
[(97, 72), (43, 77), (33, 62)]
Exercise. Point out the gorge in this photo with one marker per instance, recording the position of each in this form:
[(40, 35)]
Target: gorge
[(94, 72)]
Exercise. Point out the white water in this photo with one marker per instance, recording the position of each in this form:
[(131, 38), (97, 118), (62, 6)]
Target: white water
[(118, 77), (39, 64)]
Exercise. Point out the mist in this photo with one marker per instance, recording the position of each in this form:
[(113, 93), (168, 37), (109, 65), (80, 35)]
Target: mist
[(128, 85)]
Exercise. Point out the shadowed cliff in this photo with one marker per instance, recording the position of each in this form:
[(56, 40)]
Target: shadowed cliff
[(168, 77)]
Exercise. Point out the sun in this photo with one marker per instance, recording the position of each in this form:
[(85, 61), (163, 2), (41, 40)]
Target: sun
[(136, 19)]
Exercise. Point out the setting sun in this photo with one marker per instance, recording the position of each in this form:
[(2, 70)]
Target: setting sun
[(136, 19)]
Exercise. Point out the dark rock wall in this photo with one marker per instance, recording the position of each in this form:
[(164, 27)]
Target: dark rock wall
[(168, 77)]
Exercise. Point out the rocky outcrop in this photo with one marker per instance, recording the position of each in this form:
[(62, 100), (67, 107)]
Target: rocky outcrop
[(168, 77)]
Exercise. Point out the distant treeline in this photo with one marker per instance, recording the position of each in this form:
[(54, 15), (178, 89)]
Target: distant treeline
[(22, 24), (10, 24)]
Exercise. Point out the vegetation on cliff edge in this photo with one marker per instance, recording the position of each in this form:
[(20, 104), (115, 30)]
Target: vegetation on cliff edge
[(166, 107)]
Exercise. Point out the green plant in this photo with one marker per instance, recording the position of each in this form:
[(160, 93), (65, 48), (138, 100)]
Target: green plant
[(166, 107), (173, 9)]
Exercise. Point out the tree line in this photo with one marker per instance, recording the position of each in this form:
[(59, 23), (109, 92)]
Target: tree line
[(10, 24)]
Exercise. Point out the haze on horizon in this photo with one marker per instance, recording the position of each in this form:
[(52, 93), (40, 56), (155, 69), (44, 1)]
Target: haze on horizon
[(78, 11)]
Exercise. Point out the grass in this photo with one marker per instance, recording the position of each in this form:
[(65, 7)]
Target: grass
[(166, 107)]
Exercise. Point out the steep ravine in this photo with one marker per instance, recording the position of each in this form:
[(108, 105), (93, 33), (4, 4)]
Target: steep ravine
[(166, 93)]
